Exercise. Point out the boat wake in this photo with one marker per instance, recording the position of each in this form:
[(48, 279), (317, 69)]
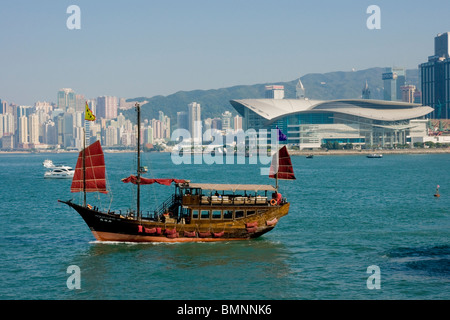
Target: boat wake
[(130, 243)]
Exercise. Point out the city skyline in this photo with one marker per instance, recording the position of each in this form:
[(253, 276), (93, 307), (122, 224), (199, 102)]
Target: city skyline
[(50, 126), (149, 48)]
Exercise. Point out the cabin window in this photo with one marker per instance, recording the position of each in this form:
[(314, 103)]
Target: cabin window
[(260, 212), (250, 212), (194, 214), (239, 214), (204, 214), (216, 214), (228, 214)]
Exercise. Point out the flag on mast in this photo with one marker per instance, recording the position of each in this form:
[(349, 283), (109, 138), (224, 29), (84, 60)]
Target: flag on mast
[(89, 116), (281, 135)]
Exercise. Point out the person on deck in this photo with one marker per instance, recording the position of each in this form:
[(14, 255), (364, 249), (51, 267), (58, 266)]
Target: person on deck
[(277, 196)]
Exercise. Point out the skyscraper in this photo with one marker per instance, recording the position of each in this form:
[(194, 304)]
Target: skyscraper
[(274, 92), (442, 45), (408, 93), (50, 133), (393, 78), (195, 123), (435, 78), (237, 123), (1, 125), (33, 128), (80, 102), (182, 120), (66, 99), (22, 130), (8, 124), (106, 107), (226, 120)]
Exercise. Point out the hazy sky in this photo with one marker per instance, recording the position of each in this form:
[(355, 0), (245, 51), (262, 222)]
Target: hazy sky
[(145, 48)]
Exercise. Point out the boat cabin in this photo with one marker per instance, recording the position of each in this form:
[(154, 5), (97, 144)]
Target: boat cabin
[(215, 202), (210, 194)]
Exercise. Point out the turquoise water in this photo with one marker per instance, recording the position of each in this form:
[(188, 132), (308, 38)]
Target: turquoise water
[(347, 213)]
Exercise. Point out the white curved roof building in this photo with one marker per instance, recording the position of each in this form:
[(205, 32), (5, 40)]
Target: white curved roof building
[(311, 123)]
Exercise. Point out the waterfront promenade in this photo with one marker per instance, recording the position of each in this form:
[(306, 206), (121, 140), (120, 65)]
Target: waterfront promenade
[(318, 152), (365, 152)]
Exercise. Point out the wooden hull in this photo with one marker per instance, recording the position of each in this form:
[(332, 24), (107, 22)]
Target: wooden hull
[(114, 227)]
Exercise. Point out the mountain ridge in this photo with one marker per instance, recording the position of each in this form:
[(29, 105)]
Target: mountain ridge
[(318, 86)]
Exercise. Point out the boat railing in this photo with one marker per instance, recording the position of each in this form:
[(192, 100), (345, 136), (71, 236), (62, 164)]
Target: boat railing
[(233, 200), (164, 207)]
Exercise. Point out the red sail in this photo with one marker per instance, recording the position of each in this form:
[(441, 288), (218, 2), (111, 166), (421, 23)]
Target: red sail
[(284, 165), (166, 182), (95, 176)]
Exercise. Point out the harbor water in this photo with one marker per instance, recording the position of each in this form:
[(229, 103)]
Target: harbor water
[(347, 215)]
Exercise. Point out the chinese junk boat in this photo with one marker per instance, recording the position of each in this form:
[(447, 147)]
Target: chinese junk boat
[(194, 212)]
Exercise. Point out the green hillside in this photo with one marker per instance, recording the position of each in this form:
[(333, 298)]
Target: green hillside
[(327, 86)]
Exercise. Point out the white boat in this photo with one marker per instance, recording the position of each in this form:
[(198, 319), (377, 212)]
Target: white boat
[(375, 155), (62, 172), (57, 171)]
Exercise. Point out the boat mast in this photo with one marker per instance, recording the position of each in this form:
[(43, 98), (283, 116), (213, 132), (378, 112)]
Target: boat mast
[(84, 166), (138, 142), (278, 168)]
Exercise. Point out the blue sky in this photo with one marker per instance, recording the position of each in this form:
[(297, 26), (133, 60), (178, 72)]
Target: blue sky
[(144, 48)]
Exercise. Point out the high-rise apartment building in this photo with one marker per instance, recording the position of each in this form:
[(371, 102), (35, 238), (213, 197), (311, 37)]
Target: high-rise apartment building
[(274, 92), (80, 102), (237, 123), (106, 107), (50, 133), (195, 123), (66, 99), (148, 134), (33, 128), (22, 130), (112, 136), (226, 120), (8, 124), (394, 79), (68, 130), (157, 129), (435, 78), (182, 120), (46, 107), (408, 93), (1, 125)]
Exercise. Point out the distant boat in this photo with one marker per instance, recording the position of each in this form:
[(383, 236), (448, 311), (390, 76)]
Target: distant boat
[(310, 156), (63, 172), (57, 171), (375, 155), (144, 169), (194, 212)]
